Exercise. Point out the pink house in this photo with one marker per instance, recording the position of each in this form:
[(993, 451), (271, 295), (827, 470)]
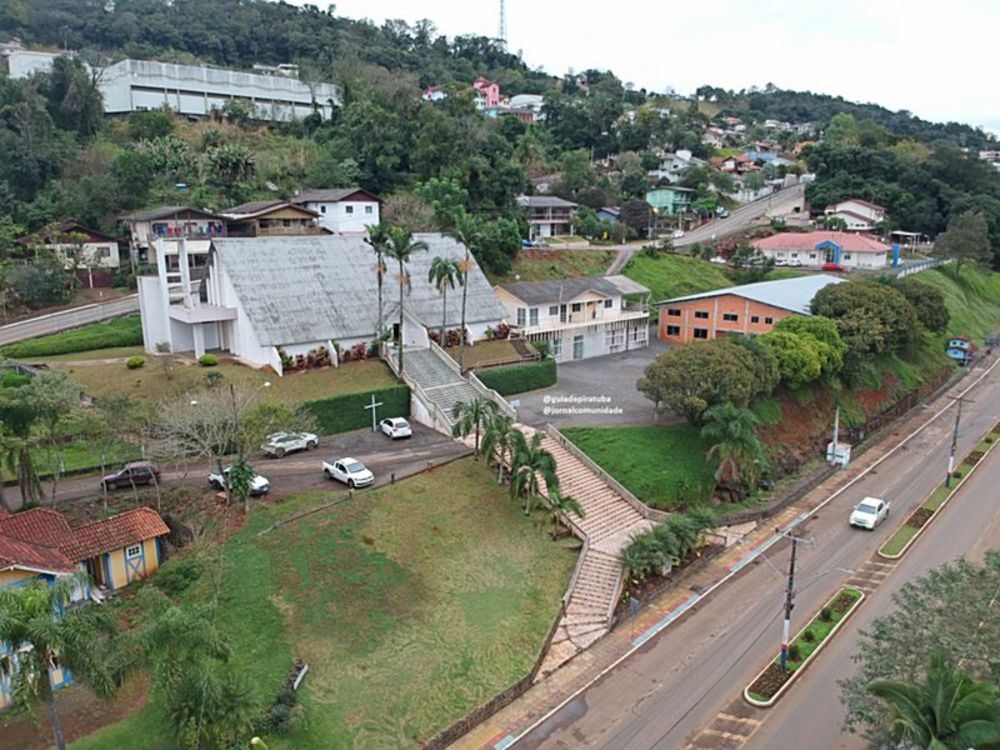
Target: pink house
[(487, 93)]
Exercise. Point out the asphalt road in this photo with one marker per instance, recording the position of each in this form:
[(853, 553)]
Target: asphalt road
[(62, 321), (303, 471), (679, 681), (969, 526), (743, 217)]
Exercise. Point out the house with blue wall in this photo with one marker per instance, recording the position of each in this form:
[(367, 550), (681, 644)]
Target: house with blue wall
[(961, 349)]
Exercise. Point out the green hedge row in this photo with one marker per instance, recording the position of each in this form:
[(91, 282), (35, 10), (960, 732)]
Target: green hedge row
[(519, 378), (125, 331), (344, 413)]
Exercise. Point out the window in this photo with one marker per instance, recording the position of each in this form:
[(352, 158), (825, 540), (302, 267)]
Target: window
[(755, 319), (522, 316), (348, 210), (847, 256), (533, 316), (673, 312), (133, 552), (556, 347), (701, 333), (768, 321), (730, 317), (673, 330), (322, 208), (609, 303), (701, 314), (576, 307), (369, 210), (553, 310)]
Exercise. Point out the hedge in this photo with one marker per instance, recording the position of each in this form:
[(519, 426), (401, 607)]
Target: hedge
[(347, 412), (519, 378), (125, 331)]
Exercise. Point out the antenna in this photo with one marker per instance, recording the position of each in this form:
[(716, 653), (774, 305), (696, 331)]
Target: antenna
[(502, 35)]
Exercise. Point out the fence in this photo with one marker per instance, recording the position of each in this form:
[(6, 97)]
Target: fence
[(922, 266)]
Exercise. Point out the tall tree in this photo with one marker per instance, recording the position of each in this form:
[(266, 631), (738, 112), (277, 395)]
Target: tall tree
[(966, 240), (560, 506), (466, 231), (400, 247), (498, 441), (532, 466), (471, 417), (377, 239), (45, 635), (734, 444), (442, 274), (946, 711)]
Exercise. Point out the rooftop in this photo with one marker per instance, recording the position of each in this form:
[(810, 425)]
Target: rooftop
[(795, 294), (543, 201), (170, 212), (332, 195), (130, 527), (254, 209), (852, 243), (563, 290)]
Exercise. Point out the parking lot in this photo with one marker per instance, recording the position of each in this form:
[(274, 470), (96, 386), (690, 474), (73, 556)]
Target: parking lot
[(594, 392)]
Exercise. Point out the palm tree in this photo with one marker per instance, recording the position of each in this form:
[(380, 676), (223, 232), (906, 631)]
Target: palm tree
[(498, 440), (45, 635), (634, 562), (686, 531), (560, 506), (668, 544), (472, 416), (531, 465), (442, 274), (735, 443), (400, 246), (465, 230), (947, 712), (378, 236)]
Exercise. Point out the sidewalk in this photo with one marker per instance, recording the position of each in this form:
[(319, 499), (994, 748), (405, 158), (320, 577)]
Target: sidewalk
[(499, 731)]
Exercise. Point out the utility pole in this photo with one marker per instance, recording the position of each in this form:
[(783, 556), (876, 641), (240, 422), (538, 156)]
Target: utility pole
[(502, 35), (954, 439), (789, 598)]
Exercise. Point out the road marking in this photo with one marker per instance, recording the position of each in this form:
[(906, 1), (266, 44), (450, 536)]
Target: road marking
[(748, 720)]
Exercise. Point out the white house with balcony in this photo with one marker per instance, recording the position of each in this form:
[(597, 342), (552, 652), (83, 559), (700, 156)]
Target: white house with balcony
[(579, 318), (341, 209), (264, 297), (161, 229), (547, 215), (858, 215)]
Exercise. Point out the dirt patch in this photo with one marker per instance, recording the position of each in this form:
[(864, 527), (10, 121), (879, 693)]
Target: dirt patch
[(973, 458), (842, 603), (770, 681), (919, 517), (81, 713)]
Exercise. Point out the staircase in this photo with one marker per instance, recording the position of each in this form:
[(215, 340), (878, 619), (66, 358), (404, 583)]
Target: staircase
[(608, 524), (437, 380)]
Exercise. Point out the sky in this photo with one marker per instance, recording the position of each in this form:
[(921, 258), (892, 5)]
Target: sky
[(933, 58)]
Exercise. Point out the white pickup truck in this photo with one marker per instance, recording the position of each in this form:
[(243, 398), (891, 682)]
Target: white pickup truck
[(869, 513), (350, 471)]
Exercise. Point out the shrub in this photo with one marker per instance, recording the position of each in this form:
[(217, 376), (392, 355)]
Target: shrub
[(826, 614), (214, 378), (177, 576), (347, 412), (125, 331), (520, 378), (13, 379), (134, 363), (794, 652), (809, 636), (208, 360)]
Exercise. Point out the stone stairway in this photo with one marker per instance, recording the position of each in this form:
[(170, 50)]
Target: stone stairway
[(441, 383), (609, 523)]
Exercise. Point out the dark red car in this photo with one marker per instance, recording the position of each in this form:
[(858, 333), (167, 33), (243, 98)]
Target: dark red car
[(133, 473), (832, 267)]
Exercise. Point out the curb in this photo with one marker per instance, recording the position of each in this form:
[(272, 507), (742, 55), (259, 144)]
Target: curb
[(937, 510), (802, 668)]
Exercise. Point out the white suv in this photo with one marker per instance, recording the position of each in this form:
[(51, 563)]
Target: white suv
[(280, 443), (350, 471)]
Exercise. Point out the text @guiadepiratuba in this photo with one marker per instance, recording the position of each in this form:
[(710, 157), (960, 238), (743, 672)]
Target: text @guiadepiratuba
[(574, 404)]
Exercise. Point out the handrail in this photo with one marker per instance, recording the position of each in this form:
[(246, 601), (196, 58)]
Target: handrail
[(449, 362), (571, 588), (437, 414), (644, 510), (486, 364), (492, 395)]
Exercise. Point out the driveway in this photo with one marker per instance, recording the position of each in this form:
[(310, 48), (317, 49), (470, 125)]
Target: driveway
[(595, 392), (303, 471)]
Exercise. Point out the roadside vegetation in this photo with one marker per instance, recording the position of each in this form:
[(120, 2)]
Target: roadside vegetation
[(121, 332)]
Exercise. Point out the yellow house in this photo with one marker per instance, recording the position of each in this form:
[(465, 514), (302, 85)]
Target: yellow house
[(39, 545)]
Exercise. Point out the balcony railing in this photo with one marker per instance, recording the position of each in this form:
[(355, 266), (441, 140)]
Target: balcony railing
[(579, 320)]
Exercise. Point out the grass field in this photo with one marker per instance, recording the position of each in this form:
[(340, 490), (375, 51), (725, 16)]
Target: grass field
[(676, 275), (546, 265), (412, 604), (111, 352), (663, 465), (152, 382), (973, 301), (120, 332)]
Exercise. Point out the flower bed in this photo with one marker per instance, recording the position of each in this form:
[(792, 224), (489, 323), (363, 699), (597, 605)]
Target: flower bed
[(767, 687)]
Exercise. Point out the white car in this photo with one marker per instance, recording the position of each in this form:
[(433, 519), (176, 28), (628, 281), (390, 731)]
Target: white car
[(396, 427), (258, 485), (869, 513), (780, 263), (718, 260), (350, 471), (280, 443), (678, 233), (795, 263)]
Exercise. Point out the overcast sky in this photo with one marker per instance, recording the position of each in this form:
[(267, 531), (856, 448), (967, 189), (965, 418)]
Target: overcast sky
[(936, 59)]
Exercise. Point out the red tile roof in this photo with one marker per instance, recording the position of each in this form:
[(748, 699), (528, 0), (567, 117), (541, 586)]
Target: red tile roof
[(851, 243), (119, 531), (17, 553), (40, 526)]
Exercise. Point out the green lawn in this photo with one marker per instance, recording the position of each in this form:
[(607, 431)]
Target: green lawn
[(546, 265), (487, 351), (973, 301), (412, 604), (120, 332), (152, 382), (676, 275), (111, 352), (662, 465)]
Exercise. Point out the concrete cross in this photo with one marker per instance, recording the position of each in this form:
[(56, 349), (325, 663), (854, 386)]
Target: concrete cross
[(373, 406)]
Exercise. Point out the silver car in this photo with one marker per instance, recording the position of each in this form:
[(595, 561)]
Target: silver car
[(280, 443)]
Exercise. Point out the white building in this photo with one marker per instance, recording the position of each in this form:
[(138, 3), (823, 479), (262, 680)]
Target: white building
[(548, 216), (91, 254), (858, 215), (24, 63), (579, 318), (196, 90), (264, 297), (674, 166), (847, 250), (341, 209), (164, 227)]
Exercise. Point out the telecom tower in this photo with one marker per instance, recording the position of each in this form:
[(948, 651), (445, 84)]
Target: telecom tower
[(502, 36)]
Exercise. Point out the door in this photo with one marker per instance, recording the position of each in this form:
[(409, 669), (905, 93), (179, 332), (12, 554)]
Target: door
[(578, 347), (562, 313)]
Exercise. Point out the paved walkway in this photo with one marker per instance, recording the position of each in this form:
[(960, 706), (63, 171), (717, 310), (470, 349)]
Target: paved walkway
[(499, 731)]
